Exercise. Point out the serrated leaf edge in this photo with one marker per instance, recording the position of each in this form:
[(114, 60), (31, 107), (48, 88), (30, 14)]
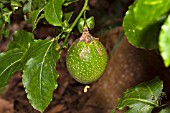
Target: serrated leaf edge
[(30, 99)]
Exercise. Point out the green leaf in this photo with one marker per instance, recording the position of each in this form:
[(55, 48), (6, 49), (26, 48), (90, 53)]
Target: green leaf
[(27, 7), (68, 2), (80, 25), (165, 110), (32, 5), (141, 38), (10, 62), (4, 18), (148, 11), (164, 42), (39, 18), (39, 75), (23, 1), (21, 40), (67, 16), (34, 17), (38, 4), (113, 111), (1, 5), (2, 90), (6, 32), (6, 14), (53, 12), (15, 5), (66, 26), (142, 98), (90, 22), (5, 1)]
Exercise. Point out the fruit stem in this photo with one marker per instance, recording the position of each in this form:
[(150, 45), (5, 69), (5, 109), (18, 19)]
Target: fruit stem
[(76, 20), (85, 16), (79, 15), (85, 24)]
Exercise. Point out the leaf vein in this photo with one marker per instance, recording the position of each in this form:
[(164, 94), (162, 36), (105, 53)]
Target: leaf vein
[(9, 66), (35, 50), (10, 56), (41, 68), (142, 100), (149, 89), (55, 11)]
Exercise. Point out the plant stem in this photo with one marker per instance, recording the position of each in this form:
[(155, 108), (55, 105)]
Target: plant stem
[(85, 16), (79, 15), (73, 25), (85, 24), (76, 20)]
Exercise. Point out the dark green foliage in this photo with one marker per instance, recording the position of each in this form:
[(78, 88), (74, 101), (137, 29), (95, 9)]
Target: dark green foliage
[(35, 58), (143, 22), (143, 97), (39, 75)]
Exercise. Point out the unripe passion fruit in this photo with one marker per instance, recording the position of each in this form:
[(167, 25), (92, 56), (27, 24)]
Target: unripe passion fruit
[(86, 59)]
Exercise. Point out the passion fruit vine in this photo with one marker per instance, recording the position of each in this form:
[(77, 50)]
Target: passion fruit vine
[(86, 59)]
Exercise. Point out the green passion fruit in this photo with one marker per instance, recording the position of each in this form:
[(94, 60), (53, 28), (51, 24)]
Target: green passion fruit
[(86, 59)]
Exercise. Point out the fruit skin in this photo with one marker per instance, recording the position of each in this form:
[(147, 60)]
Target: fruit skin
[(86, 60)]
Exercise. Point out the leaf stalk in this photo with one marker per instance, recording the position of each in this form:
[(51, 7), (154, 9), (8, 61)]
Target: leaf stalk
[(74, 23)]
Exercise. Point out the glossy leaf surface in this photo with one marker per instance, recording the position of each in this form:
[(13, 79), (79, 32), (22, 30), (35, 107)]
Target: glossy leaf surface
[(39, 76), (53, 12), (80, 25), (164, 42), (150, 10), (10, 62), (21, 40), (142, 33), (90, 22), (143, 97)]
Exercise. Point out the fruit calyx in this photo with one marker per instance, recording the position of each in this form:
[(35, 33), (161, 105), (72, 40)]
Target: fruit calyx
[(86, 36)]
